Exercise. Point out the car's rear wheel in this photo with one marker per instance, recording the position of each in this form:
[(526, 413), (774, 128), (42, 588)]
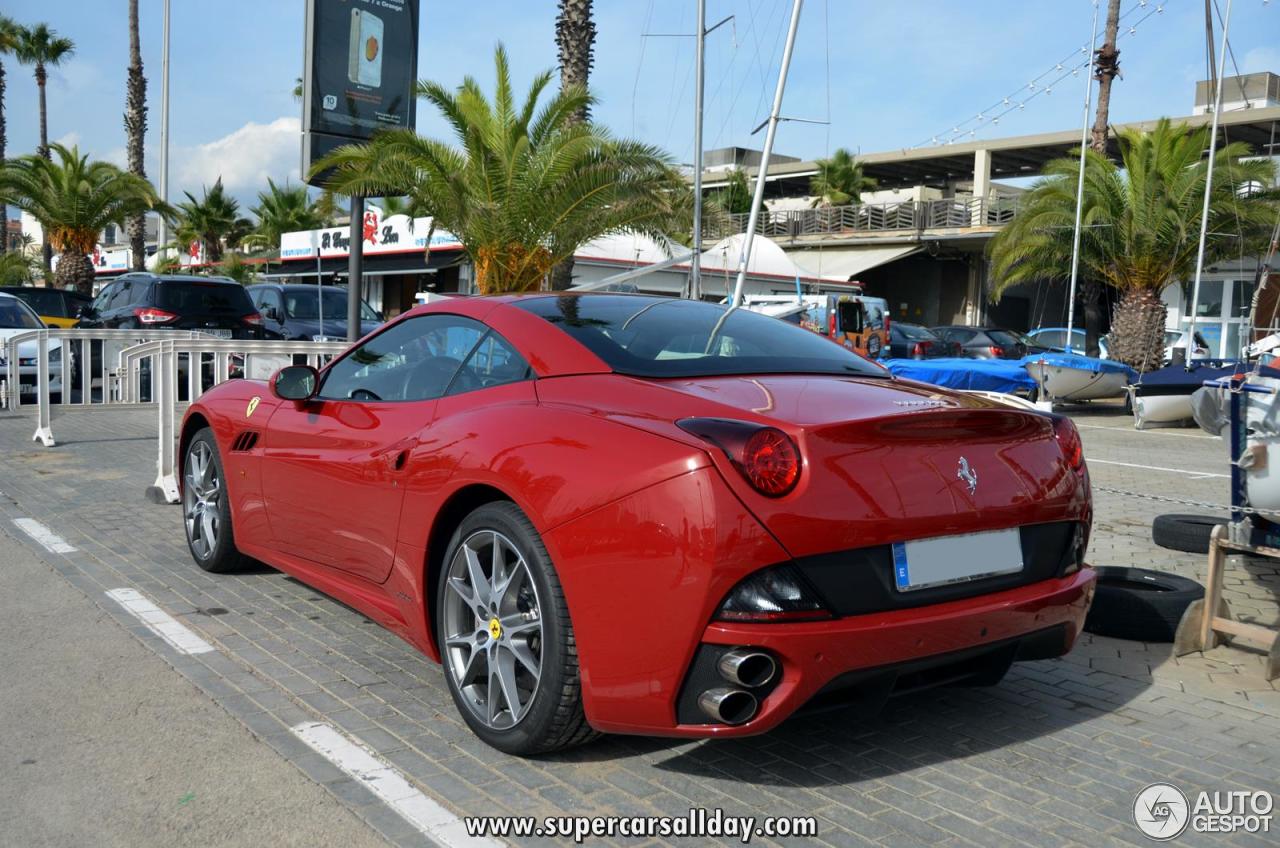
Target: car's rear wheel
[(206, 509), (506, 641)]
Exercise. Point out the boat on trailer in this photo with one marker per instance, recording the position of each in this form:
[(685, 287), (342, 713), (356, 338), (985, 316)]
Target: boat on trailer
[(1070, 378), (1163, 396)]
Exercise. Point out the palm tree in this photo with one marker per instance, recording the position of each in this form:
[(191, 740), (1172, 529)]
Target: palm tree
[(135, 125), (17, 268), (839, 180), (575, 40), (43, 48), (1140, 226), (526, 184), (9, 38), (281, 210), (735, 197), (214, 221), (73, 199)]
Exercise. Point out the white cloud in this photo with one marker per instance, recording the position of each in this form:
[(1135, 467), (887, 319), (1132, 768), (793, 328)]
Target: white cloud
[(1261, 59), (244, 158), (70, 139)]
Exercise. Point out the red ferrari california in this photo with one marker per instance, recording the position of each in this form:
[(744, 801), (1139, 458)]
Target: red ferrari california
[(631, 514)]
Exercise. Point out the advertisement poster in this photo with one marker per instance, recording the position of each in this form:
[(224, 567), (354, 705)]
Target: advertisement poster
[(361, 66)]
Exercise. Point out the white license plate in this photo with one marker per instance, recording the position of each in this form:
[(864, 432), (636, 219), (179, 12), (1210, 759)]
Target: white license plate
[(28, 388), (222, 334), (956, 559)]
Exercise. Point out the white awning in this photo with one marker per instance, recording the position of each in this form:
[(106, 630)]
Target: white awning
[(846, 263)]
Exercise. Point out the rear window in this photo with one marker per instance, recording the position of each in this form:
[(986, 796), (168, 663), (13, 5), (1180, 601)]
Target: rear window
[(915, 332), (666, 337), (197, 298), (1003, 337)]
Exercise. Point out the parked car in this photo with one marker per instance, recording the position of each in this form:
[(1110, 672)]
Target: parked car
[(15, 318), (635, 514), (56, 307), (911, 341), (295, 311), (985, 342), (218, 306)]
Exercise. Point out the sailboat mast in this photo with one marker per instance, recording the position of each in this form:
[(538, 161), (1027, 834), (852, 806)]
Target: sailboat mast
[(757, 199), (1084, 148), (1208, 187), (695, 266)]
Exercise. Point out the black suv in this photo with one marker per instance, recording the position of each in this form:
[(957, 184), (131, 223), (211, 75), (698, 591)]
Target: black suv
[(294, 311), (215, 305)]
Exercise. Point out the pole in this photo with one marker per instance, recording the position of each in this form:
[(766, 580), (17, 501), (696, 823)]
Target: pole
[(315, 238), (695, 266), (355, 276), (1208, 188), (1084, 148), (162, 234), (757, 199)]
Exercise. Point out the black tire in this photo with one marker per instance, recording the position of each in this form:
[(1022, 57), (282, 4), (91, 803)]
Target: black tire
[(1139, 604), (555, 719), (223, 557), (1184, 532)]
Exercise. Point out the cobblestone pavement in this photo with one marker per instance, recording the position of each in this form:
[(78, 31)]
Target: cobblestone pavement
[(1052, 756)]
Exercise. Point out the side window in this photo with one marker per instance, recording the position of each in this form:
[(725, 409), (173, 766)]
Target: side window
[(120, 296), (104, 297), (494, 362), (271, 300), (413, 360)]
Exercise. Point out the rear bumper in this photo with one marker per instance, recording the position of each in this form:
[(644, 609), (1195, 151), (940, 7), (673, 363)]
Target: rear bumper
[(815, 656)]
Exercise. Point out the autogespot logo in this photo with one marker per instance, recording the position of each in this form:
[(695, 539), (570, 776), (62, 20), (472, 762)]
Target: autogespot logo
[(1161, 811)]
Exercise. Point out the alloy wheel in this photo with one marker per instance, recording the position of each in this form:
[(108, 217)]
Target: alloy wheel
[(493, 629), (201, 497)]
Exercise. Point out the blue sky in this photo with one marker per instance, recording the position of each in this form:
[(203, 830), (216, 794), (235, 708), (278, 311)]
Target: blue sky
[(887, 75)]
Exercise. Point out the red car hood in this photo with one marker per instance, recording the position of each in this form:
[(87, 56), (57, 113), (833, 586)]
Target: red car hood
[(881, 457)]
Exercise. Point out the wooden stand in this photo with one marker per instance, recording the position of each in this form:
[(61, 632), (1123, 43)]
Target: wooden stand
[(1205, 619)]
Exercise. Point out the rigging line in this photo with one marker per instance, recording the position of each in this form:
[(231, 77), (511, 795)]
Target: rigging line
[(764, 85), (675, 72), (1032, 85), (826, 45), (1231, 54), (746, 77), (635, 86)]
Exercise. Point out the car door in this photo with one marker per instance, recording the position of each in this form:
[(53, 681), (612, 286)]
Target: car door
[(332, 466)]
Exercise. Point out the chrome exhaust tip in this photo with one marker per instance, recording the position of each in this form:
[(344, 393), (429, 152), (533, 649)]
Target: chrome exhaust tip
[(728, 706), (746, 667)]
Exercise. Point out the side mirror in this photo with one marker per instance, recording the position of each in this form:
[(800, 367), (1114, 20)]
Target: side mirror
[(270, 312), (295, 382)]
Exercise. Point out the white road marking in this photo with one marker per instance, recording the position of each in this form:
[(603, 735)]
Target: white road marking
[(1194, 475), (159, 622), (385, 781), (1155, 432), (50, 540)]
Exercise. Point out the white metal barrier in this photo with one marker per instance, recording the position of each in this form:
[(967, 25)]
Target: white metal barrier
[(72, 357), (260, 360)]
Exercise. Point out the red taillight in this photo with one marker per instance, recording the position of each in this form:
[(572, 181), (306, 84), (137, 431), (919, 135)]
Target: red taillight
[(253, 318), (831, 324), (765, 456), (150, 315), (1069, 441), (997, 352), (920, 349)]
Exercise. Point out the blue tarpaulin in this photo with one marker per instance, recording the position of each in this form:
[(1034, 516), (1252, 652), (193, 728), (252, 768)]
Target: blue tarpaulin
[(991, 375), (1178, 380)]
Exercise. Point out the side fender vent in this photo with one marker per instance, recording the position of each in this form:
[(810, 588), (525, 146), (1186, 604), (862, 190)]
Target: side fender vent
[(245, 441)]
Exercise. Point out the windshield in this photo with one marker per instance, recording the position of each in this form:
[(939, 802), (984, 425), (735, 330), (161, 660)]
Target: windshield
[(203, 298), (304, 305), (666, 337), (16, 315)]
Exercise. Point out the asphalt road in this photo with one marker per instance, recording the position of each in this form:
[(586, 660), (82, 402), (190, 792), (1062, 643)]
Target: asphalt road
[(103, 744)]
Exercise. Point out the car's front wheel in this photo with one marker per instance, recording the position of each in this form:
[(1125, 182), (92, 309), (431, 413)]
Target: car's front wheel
[(506, 641), (206, 507)]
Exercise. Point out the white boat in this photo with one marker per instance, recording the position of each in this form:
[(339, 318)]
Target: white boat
[(1067, 377), (1164, 396), (1159, 409)]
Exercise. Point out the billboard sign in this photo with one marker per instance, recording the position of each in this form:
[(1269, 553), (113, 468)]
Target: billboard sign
[(361, 66), (393, 234)]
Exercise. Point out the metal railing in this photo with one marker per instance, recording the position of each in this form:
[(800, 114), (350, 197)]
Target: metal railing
[(260, 360), (905, 216)]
